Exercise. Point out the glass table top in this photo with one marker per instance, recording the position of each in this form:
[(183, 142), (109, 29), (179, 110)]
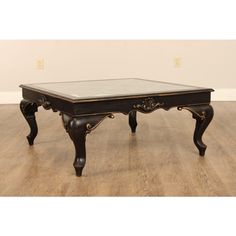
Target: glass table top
[(97, 89)]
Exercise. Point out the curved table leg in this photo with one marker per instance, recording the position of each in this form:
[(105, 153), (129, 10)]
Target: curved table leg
[(28, 109), (133, 120), (78, 128), (203, 115)]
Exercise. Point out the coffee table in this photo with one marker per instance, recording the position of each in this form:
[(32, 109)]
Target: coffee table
[(83, 105)]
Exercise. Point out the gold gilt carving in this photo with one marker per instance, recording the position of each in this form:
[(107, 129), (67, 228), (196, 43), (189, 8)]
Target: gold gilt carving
[(148, 105), (200, 114)]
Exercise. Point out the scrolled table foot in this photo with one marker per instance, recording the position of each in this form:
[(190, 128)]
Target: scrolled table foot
[(79, 164)]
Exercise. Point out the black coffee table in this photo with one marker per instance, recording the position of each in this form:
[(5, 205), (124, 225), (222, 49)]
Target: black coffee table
[(83, 105)]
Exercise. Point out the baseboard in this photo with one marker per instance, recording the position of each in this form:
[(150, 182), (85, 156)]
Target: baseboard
[(14, 97), (226, 94)]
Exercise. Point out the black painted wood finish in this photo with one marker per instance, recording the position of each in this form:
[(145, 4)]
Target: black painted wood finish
[(81, 117), (28, 109), (78, 128), (203, 115), (133, 121)]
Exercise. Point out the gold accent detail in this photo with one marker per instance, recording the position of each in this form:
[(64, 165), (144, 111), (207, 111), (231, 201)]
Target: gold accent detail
[(148, 105), (91, 127), (201, 115)]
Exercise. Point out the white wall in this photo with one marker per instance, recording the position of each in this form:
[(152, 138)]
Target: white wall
[(209, 63)]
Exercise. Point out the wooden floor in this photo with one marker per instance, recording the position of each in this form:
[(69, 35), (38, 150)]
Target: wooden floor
[(159, 160)]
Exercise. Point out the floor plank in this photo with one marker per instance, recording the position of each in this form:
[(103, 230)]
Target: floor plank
[(159, 160)]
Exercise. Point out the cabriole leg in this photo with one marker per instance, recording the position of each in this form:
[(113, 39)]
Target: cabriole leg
[(77, 128), (203, 115), (133, 120), (28, 109)]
